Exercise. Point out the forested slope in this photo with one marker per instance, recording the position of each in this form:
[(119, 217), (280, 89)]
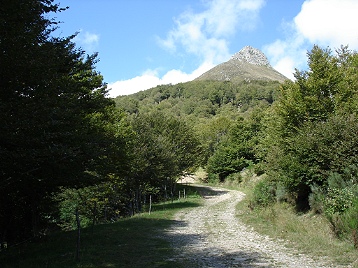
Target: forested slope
[(301, 134), (213, 109), (201, 99)]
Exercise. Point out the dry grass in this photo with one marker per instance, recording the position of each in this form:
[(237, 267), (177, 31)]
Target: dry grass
[(310, 233)]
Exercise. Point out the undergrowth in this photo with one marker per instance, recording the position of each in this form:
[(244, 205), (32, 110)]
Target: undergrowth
[(309, 232)]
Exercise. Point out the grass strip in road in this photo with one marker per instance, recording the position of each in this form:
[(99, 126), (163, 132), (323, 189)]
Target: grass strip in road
[(130, 242)]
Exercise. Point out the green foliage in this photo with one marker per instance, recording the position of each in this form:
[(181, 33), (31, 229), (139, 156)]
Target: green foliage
[(167, 142), (100, 203), (162, 149), (317, 150), (213, 133), (69, 201), (137, 242), (264, 193), (309, 140), (213, 178), (225, 161), (237, 150), (234, 178), (212, 109), (57, 127), (338, 200), (344, 221), (309, 133), (341, 202), (316, 199), (202, 99), (310, 97)]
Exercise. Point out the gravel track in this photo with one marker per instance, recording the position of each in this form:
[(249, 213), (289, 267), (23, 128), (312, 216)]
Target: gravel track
[(212, 236)]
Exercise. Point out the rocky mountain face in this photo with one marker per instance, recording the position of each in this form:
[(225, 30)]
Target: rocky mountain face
[(247, 64), (251, 55)]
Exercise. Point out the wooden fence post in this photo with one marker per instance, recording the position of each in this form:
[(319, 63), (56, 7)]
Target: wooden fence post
[(150, 203)]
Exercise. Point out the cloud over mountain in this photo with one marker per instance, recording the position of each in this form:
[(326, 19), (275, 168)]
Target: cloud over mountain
[(205, 35), (323, 22)]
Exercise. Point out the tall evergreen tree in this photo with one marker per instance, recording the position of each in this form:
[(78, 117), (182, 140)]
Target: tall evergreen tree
[(57, 128)]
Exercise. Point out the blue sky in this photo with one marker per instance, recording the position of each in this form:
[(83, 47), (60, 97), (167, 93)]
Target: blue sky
[(143, 43)]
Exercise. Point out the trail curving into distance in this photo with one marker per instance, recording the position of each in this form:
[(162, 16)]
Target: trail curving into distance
[(212, 236)]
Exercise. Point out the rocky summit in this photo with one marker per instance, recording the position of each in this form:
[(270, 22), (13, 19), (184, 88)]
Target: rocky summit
[(246, 65), (251, 55)]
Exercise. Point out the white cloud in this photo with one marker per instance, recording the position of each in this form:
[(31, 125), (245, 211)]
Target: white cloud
[(330, 22), (150, 79), (323, 22), (286, 55), (88, 41), (204, 35)]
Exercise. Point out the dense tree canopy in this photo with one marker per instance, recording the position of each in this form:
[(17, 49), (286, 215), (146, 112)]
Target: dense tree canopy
[(213, 110), (310, 133), (201, 99), (57, 128), (164, 148)]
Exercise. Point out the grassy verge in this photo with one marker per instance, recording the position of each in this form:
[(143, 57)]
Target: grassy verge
[(308, 232), (130, 242)]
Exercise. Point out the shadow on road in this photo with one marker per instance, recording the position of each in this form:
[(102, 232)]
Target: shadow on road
[(207, 191), (198, 253)]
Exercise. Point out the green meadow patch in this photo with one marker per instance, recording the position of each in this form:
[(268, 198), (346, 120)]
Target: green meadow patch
[(138, 241)]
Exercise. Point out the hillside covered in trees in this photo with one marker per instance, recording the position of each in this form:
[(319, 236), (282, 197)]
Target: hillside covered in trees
[(67, 154), (70, 154), (300, 134)]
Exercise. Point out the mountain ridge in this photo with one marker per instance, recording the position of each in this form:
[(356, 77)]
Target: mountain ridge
[(246, 65)]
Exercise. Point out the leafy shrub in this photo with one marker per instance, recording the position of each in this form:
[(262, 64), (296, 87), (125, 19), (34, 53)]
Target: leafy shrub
[(345, 224), (70, 200), (234, 177), (348, 178), (341, 203), (94, 204), (213, 178), (264, 193), (338, 200), (316, 199), (259, 168), (226, 160), (282, 193)]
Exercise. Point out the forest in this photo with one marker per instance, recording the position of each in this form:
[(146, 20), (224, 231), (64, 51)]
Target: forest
[(70, 153)]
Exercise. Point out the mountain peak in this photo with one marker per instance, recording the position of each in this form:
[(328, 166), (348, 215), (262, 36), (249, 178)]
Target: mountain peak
[(251, 55), (246, 65)]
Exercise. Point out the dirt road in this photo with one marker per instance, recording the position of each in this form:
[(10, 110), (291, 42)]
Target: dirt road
[(212, 236)]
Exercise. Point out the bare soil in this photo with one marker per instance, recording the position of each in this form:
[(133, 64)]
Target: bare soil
[(212, 235)]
